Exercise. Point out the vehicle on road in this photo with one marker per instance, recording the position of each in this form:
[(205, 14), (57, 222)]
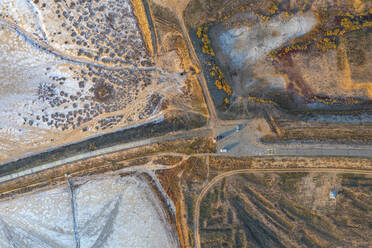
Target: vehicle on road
[(270, 152), (238, 128), (223, 150), (219, 137)]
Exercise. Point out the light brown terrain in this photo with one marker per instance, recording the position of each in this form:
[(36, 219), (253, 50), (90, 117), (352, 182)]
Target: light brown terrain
[(185, 123), (109, 67), (287, 210), (299, 62), (189, 184)]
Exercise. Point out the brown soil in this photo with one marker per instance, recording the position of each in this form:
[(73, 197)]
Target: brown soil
[(287, 210), (297, 84), (192, 175), (105, 163), (103, 92), (351, 133)]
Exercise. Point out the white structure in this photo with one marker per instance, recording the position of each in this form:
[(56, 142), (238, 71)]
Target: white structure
[(332, 194)]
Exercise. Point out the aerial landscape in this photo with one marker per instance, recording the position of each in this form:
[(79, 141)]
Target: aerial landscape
[(185, 123)]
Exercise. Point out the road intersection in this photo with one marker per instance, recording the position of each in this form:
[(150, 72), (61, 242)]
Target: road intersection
[(240, 144)]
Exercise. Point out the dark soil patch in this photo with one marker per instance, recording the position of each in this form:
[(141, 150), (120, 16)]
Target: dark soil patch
[(103, 92)]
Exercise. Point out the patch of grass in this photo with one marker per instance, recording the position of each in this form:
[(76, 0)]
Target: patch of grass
[(289, 181), (206, 207), (190, 206), (331, 133)]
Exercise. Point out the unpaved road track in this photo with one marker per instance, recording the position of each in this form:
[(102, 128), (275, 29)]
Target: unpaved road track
[(252, 150), (213, 118), (216, 179), (213, 121), (178, 7), (74, 59), (108, 150)]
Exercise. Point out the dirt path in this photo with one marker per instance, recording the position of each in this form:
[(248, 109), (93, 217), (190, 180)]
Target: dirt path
[(213, 120), (178, 7), (112, 149), (74, 59), (216, 179), (250, 149)]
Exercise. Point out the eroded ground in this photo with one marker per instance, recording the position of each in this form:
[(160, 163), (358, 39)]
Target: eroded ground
[(185, 175)]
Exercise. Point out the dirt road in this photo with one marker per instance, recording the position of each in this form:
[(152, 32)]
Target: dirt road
[(235, 172), (250, 149), (108, 150), (213, 118), (246, 143), (74, 59)]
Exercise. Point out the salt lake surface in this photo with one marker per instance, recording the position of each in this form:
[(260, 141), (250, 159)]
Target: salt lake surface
[(110, 212)]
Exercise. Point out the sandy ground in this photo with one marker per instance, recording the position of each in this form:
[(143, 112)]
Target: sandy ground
[(242, 48), (119, 212), (95, 27), (254, 204), (42, 219), (177, 6), (23, 13), (324, 77), (111, 212), (48, 101)]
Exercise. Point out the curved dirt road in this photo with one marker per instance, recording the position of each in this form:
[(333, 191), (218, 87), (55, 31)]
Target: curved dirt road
[(213, 118), (74, 59), (243, 171)]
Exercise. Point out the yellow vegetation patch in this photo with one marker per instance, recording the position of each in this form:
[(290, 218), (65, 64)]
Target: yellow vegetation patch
[(263, 101), (220, 80), (273, 9), (348, 83), (202, 33), (322, 38), (221, 83), (143, 23)]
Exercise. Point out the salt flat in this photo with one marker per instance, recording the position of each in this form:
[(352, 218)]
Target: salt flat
[(110, 212)]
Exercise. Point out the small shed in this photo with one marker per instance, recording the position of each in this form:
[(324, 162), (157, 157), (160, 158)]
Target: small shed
[(332, 194)]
